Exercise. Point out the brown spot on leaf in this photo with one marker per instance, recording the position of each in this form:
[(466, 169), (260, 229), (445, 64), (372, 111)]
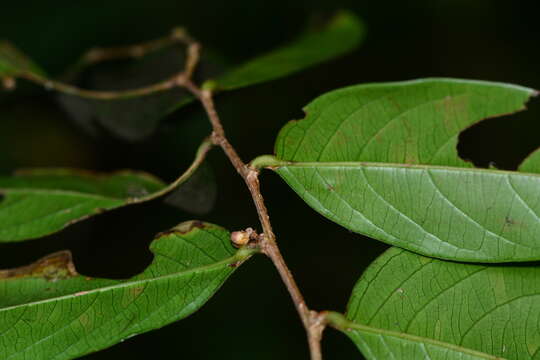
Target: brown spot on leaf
[(182, 228), (135, 190), (136, 291), (84, 320), (53, 267), (9, 83), (187, 226)]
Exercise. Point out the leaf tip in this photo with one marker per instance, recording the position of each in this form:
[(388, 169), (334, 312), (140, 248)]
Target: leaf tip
[(9, 83)]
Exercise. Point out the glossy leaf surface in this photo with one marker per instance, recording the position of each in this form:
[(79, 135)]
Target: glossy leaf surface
[(489, 308), (381, 160), (48, 311)]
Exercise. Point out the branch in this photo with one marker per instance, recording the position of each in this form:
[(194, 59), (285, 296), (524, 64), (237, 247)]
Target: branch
[(313, 323), (203, 149), (105, 54), (97, 55)]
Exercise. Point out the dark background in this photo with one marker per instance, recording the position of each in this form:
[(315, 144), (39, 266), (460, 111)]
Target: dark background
[(252, 316)]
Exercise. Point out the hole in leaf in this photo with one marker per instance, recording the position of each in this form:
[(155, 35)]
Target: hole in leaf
[(118, 245), (112, 245), (502, 142)]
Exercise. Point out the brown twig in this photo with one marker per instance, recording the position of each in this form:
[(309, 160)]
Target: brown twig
[(178, 36), (313, 323), (101, 95), (97, 55)]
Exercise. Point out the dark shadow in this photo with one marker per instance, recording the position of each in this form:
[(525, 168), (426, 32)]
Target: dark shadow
[(502, 142), (111, 245)]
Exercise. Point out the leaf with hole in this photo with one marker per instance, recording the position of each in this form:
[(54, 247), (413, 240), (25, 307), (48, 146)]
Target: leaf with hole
[(54, 313), (381, 160), (487, 308)]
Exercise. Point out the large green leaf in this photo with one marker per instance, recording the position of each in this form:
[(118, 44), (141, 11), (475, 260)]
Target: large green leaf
[(341, 34), (136, 117), (48, 311), (381, 160), (489, 308), (375, 343), (39, 202)]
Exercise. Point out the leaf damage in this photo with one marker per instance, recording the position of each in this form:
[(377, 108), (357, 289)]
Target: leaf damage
[(186, 227), (382, 160), (53, 267)]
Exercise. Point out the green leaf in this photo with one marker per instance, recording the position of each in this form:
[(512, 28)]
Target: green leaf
[(48, 311), (532, 163), (492, 309), (39, 202), (14, 63), (342, 33), (381, 160), (377, 343)]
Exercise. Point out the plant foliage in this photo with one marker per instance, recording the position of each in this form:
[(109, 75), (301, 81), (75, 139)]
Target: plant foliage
[(378, 159)]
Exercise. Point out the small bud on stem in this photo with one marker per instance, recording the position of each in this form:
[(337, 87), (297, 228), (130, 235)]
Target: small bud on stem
[(9, 83), (243, 237)]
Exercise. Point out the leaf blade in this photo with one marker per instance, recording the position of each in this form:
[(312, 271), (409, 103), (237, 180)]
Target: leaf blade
[(389, 146), (487, 308), (420, 207), (342, 34), (376, 343), (92, 314), (38, 202)]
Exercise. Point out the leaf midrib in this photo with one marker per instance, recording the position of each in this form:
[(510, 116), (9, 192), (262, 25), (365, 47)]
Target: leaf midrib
[(284, 163), (61, 192), (351, 326), (232, 259)]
